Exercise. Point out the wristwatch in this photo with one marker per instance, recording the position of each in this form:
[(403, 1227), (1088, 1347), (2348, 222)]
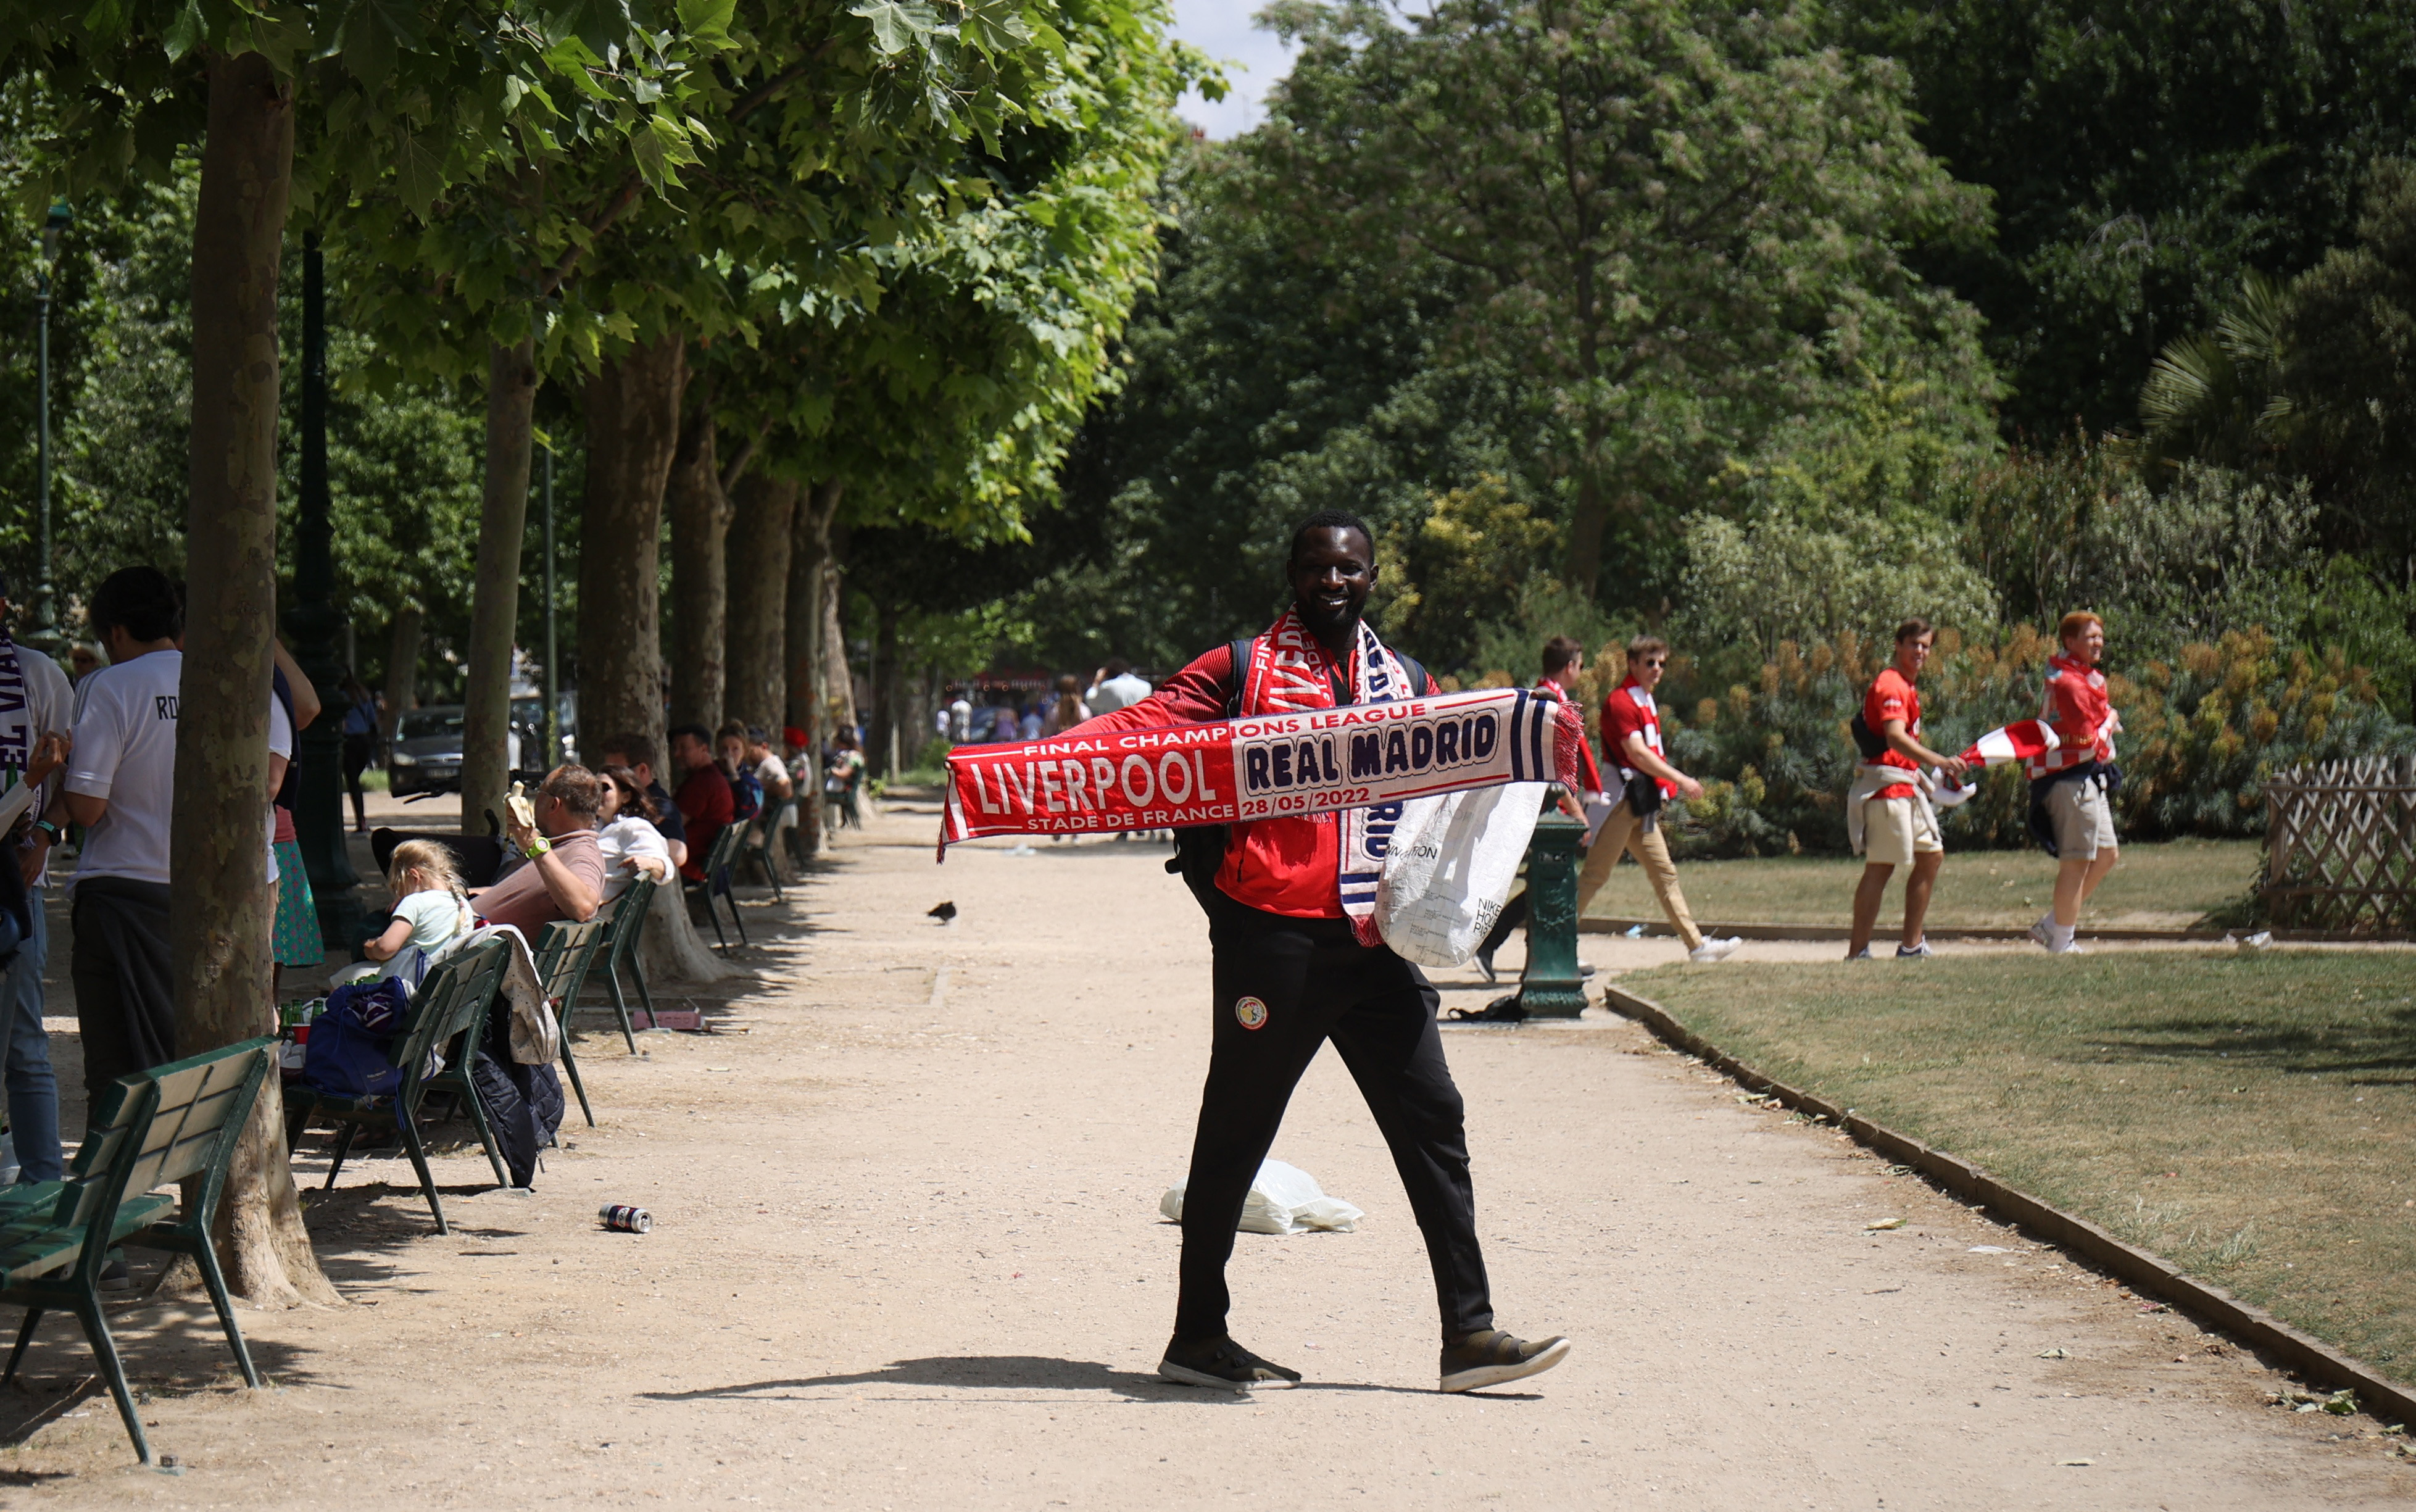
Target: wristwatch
[(536, 847), (53, 831)]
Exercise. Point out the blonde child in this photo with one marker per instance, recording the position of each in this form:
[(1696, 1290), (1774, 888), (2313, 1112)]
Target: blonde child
[(430, 908)]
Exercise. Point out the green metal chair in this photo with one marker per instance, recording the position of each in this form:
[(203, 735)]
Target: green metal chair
[(622, 930), (757, 846), (448, 1014), (716, 884), (564, 954), (176, 1123)]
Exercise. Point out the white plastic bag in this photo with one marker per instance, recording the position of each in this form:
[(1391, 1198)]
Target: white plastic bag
[(1450, 868), (1283, 1200)]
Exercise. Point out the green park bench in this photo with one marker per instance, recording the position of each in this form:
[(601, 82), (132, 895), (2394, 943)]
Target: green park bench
[(176, 1123), (716, 884), (448, 1013), (624, 927), (565, 955), (757, 846)]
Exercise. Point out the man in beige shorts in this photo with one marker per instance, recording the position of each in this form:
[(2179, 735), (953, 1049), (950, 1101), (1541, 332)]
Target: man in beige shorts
[(1888, 812), (1631, 740)]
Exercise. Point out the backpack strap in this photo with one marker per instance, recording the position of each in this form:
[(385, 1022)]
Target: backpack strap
[(1237, 671)]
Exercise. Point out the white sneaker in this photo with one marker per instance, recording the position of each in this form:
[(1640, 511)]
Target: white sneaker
[(1714, 949), (1864, 954), (2038, 931), (1917, 952), (2070, 947)]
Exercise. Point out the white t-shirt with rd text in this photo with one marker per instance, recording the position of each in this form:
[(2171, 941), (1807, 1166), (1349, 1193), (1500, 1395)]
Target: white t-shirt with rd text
[(126, 751)]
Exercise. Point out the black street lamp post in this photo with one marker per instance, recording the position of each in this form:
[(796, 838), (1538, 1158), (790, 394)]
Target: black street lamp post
[(317, 628), (45, 635), (552, 652)]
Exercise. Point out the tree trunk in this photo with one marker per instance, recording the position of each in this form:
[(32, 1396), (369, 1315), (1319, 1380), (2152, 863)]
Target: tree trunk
[(886, 684), (761, 529), (673, 950), (495, 590), (699, 511), (1586, 525), (221, 908), (401, 667), (838, 680), (809, 558), (633, 406)]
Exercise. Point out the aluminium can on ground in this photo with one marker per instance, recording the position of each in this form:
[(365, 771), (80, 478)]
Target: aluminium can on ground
[(622, 1218)]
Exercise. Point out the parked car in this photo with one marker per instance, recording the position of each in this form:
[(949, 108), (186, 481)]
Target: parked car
[(426, 755)]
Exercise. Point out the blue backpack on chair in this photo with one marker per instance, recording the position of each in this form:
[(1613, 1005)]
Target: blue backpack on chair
[(350, 1052)]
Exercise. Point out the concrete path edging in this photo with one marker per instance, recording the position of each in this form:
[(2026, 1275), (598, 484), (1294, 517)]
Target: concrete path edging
[(1840, 932), (2312, 1358)]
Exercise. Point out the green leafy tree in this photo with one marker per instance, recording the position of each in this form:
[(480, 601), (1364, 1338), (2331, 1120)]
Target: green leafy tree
[(1682, 220), (432, 86), (2142, 159)]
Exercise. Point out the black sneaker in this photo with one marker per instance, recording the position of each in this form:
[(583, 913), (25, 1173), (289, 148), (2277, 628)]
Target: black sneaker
[(116, 1277), (1220, 1361), (1491, 1357)]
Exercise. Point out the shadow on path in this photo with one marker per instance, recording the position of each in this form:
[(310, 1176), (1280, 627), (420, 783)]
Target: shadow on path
[(1013, 1372)]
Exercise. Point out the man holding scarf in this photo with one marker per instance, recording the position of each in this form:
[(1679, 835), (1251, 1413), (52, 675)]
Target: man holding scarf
[(1889, 816), (1299, 962), (36, 706)]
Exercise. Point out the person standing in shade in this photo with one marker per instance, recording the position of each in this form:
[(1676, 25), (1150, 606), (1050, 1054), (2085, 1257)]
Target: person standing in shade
[(360, 744), (2075, 783), (1889, 816), (121, 786), (32, 747), (1294, 969), (1631, 738)]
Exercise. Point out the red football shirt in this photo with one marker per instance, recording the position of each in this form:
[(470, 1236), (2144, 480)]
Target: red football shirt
[(1893, 698), (1630, 710)]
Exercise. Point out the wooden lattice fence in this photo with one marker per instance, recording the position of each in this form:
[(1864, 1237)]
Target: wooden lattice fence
[(2341, 847)]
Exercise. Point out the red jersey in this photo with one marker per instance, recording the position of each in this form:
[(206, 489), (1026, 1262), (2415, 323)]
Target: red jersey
[(1892, 697), (1630, 710), (706, 808), (2077, 707), (1276, 865)]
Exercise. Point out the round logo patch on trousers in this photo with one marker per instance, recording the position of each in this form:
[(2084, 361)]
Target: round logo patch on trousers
[(1249, 1012)]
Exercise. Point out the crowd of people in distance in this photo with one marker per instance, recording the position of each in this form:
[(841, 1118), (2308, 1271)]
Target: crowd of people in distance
[(1035, 713)]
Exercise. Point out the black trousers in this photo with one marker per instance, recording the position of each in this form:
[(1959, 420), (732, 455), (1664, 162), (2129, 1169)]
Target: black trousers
[(1301, 982), (358, 751), (125, 992)]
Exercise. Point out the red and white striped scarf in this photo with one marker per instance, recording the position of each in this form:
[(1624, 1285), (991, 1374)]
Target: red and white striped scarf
[(1291, 672), (1292, 754)]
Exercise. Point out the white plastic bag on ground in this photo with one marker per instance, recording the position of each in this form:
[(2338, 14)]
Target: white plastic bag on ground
[(1283, 1200), (1450, 868)]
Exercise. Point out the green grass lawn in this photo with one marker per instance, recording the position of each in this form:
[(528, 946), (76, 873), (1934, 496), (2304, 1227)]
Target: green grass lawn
[(2253, 1119), (2169, 886)]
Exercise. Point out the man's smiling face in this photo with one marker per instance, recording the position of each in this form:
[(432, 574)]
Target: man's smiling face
[(1331, 574)]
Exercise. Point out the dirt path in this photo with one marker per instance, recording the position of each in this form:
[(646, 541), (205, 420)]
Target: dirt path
[(907, 1255)]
